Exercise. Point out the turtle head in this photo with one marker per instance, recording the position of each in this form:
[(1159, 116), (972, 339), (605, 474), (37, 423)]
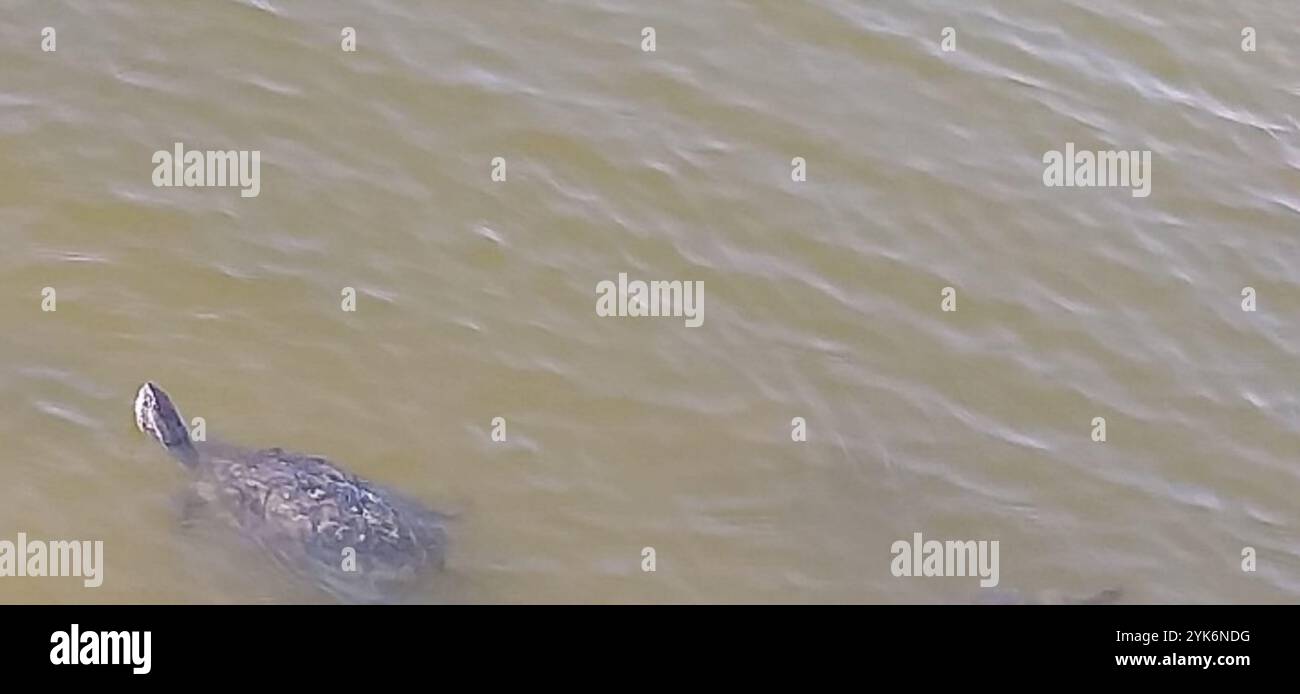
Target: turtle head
[(157, 416)]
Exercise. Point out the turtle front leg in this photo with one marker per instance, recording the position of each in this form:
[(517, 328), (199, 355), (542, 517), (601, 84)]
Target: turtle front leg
[(191, 507)]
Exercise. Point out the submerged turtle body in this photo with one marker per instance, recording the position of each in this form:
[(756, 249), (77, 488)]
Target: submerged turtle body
[(309, 513)]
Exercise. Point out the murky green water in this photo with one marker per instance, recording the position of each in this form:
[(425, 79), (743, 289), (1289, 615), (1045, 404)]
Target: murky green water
[(475, 298)]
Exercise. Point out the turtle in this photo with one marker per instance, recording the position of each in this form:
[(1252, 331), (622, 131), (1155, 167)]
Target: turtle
[(355, 539)]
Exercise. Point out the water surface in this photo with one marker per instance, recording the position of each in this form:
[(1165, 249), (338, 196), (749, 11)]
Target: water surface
[(476, 299)]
